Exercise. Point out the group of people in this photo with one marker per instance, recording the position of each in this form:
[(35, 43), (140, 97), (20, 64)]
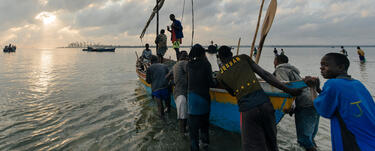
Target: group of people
[(360, 52), (343, 100), (276, 52), (176, 37), (10, 47)]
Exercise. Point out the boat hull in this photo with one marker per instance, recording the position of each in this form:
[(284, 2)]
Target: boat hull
[(99, 49), (224, 109), (9, 49)]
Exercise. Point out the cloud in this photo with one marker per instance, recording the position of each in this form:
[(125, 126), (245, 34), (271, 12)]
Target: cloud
[(17, 12), (224, 21)]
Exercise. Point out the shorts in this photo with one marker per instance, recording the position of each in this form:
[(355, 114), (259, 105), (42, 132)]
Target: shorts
[(181, 106), (161, 51), (162, 94), (176, 44), (362, 58)]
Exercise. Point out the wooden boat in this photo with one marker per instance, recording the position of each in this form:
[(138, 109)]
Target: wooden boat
[(9, 49), (99, 49), (224, 109)]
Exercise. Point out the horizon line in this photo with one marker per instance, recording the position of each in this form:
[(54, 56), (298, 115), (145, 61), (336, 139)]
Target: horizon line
[(234, 46)]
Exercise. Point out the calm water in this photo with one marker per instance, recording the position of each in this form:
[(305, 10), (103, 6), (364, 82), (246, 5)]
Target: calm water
[(66, 99)]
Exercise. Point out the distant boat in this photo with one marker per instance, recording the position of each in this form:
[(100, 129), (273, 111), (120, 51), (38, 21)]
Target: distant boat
[(10, 48), (99, 49)]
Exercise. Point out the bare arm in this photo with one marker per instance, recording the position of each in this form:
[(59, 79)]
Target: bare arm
[(269, 78), (170, 30), (169, 77), (148, 76)]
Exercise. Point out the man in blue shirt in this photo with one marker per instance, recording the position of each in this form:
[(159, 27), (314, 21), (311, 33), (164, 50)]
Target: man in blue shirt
[(347, 103), (177, 34)]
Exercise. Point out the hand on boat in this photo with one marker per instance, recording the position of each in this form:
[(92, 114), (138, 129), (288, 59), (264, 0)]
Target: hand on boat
[(295, 92), (312, 81)]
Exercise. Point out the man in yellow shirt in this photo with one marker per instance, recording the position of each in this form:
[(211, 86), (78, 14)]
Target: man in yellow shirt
[(361, 54)]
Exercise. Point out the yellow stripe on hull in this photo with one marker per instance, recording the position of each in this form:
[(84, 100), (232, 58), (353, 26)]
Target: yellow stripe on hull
[(224, 97)]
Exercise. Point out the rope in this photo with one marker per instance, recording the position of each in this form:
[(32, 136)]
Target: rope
[(192, 18)]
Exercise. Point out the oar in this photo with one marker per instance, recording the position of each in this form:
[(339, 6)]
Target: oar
[(267, 23), (257, 28), (238, 46)]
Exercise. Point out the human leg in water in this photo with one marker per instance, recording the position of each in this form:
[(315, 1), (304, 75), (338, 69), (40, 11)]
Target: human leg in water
[(160, 106), (194, 132), (177, 53), (204, 134), (182, 124), (167, 105)]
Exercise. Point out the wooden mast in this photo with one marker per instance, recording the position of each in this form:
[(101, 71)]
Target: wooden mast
[(157, 23), (257, 28), (238, 46)]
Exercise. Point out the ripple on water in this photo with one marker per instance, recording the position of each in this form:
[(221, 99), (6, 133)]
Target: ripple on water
[(67, 99)]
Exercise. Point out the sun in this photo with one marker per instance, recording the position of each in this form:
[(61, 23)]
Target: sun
[(46, 17)]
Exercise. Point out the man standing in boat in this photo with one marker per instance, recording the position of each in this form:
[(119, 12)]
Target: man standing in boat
[(161, 41), (155, 75), (306, 117), (258, 124), (177, 34)]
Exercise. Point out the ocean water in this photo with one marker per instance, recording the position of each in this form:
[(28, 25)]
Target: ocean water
[(67, 99)]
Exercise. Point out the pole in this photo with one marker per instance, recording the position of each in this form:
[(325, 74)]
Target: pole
[(192, 21), (157, 22), (256, 30), (238, 46)]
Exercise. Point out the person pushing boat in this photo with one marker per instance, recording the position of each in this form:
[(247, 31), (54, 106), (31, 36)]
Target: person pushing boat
[(178, 76), (258, 125), (347, 103), (200, 80), (306, 117), (155, 75)]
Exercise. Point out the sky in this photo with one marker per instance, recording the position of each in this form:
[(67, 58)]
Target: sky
[(54, 23)]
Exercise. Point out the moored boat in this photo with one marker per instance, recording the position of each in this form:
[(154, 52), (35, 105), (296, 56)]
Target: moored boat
[(224, 109), (9, 48), (99, 49)]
